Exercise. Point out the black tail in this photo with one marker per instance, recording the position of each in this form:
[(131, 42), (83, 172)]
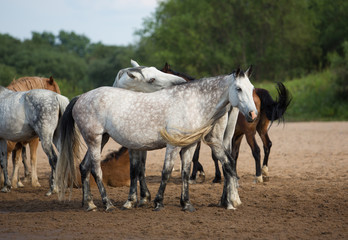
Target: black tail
[(274, 110)]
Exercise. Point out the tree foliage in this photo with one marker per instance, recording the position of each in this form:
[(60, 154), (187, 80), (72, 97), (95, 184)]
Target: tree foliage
[(282, 39), (213, 37)]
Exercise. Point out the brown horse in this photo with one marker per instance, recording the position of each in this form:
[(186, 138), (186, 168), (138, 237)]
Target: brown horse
[(18, 149), (115, 168), (269, 111)]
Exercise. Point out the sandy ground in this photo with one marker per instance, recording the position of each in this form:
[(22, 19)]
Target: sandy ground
[(306, 197)]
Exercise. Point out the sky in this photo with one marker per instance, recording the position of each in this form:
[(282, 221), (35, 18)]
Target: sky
[(112, 22)]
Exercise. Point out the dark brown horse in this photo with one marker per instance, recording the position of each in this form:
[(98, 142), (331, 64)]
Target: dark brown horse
[(25, 84), (269, 111)]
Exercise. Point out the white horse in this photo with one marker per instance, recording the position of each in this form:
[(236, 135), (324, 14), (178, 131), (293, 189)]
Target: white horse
[(137, 156), (26, 115), (175, 118), (145, 79)]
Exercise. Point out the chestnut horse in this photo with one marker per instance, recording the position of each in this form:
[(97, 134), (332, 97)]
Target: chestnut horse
[(269, 110), (115, 168), (25, 84)]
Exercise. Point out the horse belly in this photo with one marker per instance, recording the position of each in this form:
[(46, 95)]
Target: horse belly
[(17, 132), (135, 137)]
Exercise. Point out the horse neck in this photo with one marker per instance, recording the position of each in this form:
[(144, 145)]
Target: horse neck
[(212, 93)]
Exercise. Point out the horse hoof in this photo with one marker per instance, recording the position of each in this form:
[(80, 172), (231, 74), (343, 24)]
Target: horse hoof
[(217, 180), (189, 208), (230, 207), (265, 178), (191, 181), (143, 202), (202, 177), (110, 208), (235, 203), (158, 207), (264, 171), (258, 179), (49, 193), (20, 184), (128, 205), (91, 207), (6, 189), (37, 184)]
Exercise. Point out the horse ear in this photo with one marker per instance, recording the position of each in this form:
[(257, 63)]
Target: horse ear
[(237, 72), (130, 75), (134, 63), (166, 67), (51, 80), (249, 71)]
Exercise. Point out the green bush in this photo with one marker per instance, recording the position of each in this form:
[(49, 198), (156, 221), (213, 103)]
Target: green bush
[(314, 98), (339, 65), (7, 74)]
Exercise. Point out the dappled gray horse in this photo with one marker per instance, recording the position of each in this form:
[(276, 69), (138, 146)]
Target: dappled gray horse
[(26, 115), (175, 118)]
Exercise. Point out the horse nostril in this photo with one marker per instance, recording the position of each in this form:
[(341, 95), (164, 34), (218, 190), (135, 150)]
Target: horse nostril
[(252, 115)]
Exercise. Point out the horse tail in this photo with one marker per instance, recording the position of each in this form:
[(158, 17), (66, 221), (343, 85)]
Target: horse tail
[(70, 147), (63, 103), (274, 110)]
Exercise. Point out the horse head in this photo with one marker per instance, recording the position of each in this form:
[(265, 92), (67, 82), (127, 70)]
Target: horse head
[(241, 93), (168, 69), (145, 79)]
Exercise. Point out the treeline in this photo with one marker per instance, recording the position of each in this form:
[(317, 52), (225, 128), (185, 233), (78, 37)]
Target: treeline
[(72, 59), (282, 39)]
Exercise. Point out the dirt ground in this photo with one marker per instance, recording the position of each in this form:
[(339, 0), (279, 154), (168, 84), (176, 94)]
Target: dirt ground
[(306, 197)]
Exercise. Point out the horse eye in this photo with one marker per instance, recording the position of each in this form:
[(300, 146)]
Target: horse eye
[(152, 80), (238, 89)]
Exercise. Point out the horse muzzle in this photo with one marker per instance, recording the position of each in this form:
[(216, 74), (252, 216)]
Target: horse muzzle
[(251, 116)]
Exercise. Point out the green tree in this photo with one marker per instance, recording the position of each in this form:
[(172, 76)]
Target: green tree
[(7, 74), (73, 42), (212, 37), (339, 65)]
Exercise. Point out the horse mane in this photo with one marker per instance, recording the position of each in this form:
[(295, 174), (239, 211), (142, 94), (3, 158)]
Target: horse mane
[(115, 154), (28, 83)]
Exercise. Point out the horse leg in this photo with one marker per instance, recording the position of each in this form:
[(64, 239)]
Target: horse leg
[(236, 141), (267, 144), (95, 148), (15, 160), (47, 146), (25, 164), (33, 145), (134, 157), (197, 166), (3, 163), (171, 153), (145, 195), (85, 171), (230, 198), (217, 178), (256, 154), (186, 156)]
